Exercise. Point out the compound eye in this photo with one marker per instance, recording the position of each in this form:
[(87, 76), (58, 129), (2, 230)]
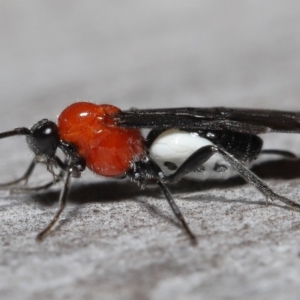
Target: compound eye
[(44, 139)]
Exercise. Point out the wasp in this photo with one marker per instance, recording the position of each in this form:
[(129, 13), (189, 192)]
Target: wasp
[(201, 143)]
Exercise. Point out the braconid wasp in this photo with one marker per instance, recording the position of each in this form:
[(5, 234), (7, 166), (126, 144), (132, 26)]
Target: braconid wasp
[(198, 142)]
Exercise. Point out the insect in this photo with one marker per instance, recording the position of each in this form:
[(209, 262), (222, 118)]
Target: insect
[(198, 142)]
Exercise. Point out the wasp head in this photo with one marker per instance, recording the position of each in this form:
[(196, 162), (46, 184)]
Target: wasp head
[(43, 140)]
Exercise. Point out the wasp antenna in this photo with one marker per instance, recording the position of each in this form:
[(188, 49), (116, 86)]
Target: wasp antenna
[(16, 131)]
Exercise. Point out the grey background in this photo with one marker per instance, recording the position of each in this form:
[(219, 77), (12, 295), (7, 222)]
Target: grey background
[(114, 241)]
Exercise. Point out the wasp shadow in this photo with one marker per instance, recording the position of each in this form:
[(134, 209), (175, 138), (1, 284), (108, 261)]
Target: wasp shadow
[(122, 190), (283, 169), (103, 191)]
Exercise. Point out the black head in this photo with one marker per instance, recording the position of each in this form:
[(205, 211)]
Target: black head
[(44, 139)]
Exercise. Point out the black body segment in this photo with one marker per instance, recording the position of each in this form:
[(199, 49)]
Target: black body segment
[(245, 147), (254, 121)]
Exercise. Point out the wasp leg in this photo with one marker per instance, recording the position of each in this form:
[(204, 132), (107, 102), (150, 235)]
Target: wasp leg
[(62, 204), (57, 178), (45, 186), (252, 178), (148, 168), (177, 211), (192, 163), (206, 152), (24, 178)]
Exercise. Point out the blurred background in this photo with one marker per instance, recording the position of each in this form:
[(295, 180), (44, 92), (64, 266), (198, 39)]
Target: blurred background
[(156, 53), (145, 54)]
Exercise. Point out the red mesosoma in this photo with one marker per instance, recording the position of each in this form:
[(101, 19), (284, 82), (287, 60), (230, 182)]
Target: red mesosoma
[(108, 149)]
